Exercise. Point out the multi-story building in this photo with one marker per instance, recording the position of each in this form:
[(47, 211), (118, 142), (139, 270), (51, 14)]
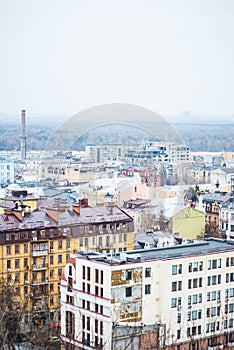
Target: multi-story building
[(179, 297), (143, 152), (104, 153), (37, 237), (212, 202), (227, 217), (7, 172)]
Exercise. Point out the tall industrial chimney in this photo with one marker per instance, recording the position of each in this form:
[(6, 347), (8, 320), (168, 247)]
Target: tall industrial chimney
[(23, 136)]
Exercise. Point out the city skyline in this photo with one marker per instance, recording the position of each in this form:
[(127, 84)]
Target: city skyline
[(168, 56)]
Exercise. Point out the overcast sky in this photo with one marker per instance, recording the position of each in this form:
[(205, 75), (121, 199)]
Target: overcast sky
[(63, 56)]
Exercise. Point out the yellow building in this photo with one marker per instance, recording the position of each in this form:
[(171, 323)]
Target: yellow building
[(188, 223), (35, 246)]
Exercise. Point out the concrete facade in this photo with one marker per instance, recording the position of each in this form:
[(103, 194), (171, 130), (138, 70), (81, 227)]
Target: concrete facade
[(176, 298)]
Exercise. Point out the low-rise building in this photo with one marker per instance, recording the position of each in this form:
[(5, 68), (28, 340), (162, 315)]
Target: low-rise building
[(174, 297)]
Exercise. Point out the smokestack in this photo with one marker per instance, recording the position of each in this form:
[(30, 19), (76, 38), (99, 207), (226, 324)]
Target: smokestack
[(23, 136)]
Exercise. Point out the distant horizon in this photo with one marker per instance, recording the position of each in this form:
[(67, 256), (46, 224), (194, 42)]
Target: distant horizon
[(173, 118)]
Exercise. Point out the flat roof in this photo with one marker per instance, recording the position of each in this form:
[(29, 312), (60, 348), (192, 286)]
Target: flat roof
[(204, 247)]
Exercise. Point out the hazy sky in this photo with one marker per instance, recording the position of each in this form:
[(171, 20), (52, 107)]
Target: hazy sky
[(63, 56)]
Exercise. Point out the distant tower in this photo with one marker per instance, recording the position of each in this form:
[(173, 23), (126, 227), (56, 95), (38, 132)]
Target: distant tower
[(23, 136)]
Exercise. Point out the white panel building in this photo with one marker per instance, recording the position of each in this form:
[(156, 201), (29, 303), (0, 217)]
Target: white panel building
[(7, 172), (179, 297)]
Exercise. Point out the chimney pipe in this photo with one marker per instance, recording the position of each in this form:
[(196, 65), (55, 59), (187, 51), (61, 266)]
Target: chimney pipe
[(23, 136)]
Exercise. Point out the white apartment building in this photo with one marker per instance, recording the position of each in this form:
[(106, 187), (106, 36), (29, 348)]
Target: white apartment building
[(132, 152), (179, 297), (7, 172)]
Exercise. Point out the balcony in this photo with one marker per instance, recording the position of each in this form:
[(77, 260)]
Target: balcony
[(40, 295), (38, 281), (39, 252), (39, 267), (40, 308)]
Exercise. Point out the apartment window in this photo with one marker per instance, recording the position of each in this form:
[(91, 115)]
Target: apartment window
[(60, 272), (17, 263), (179, 317), (189, 284), (214, 280), (25, 262), (128, 292), (213, 295), (96, 326), (101, 328), (70, 299), (69, 284), (178, 333), (148, 272), (176, 269), (88, 324), (96, 290), (8, 249), (8, 264), (128, 274), (173, 302), (51, 259), (67, 243), (25, 247), (174, 286), (17, 249), (96, 307), (70, 324), (88, 273), (101, 277), (60, 258), (60, 243), (148, 289), (96, 275)]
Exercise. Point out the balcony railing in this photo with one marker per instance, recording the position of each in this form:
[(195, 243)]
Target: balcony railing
[(40, 267), (37, 281), (39, 252)]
